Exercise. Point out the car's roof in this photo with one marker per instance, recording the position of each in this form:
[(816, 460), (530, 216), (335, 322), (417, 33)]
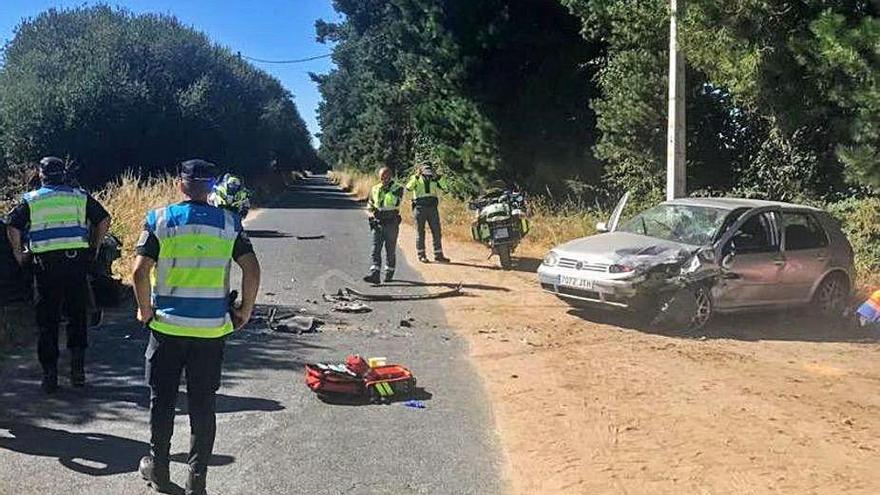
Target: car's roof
[(734, 203)]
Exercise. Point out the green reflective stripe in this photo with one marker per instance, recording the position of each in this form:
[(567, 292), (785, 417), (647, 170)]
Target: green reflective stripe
[(194, 278), (62, 246), (60, 217), (384, 389), (39, 203), (195, 246), (179, 331)]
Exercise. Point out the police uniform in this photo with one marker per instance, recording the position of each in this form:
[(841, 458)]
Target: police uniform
[(193, 244), (58, 220), (384, 203), (424, 188)]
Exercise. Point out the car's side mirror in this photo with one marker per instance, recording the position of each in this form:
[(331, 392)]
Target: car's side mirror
[(727, 260), (706, 254), (601, 227)]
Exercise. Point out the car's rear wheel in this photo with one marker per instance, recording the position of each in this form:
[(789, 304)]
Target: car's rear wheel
[(831, 296)]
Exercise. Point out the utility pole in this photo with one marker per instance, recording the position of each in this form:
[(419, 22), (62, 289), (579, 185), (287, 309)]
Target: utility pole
[(676, 175)]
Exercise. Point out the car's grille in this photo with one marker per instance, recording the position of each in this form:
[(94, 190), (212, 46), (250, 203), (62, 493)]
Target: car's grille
[(582, 265)]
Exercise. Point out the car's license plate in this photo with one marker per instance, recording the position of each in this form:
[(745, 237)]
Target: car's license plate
[(575, 282), (500, 233)]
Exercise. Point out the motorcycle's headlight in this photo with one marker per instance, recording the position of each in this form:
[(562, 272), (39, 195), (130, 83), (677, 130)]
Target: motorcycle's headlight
[(551, 259)]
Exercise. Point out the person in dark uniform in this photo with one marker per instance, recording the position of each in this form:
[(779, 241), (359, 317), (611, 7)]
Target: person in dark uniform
[(425, 186), (186, 308), (65, 227)]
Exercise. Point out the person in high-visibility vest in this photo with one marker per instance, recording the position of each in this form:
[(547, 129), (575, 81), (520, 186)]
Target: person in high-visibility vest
[(425, 187), (181, 281), (869, 311), (64, 227), (384, 207), (230, 193)]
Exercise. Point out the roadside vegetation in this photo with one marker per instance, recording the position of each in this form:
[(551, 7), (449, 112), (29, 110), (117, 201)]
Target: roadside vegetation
[(553, 224), (550, 225)]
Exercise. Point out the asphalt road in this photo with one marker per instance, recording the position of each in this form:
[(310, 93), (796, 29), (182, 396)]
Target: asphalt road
[(274, 435)]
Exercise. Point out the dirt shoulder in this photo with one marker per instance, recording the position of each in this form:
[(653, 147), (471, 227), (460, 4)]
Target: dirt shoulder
[(585, 403)]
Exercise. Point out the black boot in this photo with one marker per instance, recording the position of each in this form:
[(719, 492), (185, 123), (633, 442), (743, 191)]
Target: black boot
[(78, 367), (372, 278), (423, 258), (439, 258), (50, 380), (155, 473), (196, 483), (389, 275)]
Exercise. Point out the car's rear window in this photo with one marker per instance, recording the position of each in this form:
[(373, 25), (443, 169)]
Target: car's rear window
[(695, 225)]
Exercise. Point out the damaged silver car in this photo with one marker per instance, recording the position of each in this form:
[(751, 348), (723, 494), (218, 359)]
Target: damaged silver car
[(688, 259)]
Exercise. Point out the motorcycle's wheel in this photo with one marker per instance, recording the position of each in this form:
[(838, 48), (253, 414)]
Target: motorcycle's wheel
[(504, 255)]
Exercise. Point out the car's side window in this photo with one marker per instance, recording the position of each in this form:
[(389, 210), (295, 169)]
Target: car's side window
[(756, 235), (802, 231)]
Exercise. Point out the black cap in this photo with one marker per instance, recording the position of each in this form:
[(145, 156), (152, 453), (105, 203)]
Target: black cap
[(198, 170), (51, 166)]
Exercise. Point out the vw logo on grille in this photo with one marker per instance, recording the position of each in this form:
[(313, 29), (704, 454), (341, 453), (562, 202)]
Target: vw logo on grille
[(579, 265)]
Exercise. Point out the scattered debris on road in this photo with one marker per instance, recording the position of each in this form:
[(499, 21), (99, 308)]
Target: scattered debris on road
[(309, 237), (354, 294), (415, 404)]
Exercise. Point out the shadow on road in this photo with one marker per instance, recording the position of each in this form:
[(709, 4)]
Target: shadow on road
[(316, 193), (750, 327), (420, 394), (266, 234), (521, 264), (93, 454)]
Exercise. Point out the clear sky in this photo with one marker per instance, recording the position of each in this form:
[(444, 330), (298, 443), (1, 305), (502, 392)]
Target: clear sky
[(267, 29)]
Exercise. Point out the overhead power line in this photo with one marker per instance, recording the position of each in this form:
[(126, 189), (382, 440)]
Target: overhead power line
[(294, 61)]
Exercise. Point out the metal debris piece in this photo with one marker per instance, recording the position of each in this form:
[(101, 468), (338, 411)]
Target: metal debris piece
[(356, 295), (309, 237), (351, 307)]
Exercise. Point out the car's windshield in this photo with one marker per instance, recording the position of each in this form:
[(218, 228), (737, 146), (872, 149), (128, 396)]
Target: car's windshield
[(695, 225)]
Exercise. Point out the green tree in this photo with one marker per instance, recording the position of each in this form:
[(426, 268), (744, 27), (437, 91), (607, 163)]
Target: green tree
[(111, 90)]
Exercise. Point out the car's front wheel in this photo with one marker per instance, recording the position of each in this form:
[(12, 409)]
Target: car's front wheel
[(703, 309), (831, 296)]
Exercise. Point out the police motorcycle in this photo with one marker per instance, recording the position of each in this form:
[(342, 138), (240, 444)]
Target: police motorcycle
[(230, 194), (501, 221)]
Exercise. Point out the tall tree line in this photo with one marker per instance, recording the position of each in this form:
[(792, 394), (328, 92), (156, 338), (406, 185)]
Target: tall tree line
[(570, 95), (110, 91)]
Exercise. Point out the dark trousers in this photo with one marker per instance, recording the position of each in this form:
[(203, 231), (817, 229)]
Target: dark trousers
[(166, 358), (429, 214), (384, 236), (61, 288)]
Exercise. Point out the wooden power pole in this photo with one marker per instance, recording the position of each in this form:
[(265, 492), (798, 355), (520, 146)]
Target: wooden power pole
[(676, 175)]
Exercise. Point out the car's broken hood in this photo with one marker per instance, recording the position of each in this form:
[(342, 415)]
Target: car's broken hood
[(626, 249)]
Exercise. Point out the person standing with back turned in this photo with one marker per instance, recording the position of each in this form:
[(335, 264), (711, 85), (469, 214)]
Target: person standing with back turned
[(65, 228), (425, 186), (190, 246)]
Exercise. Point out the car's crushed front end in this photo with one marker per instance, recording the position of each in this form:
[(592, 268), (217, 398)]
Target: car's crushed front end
[(618, 270)]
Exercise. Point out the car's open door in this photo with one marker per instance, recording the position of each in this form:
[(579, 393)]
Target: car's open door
[(614, 221)]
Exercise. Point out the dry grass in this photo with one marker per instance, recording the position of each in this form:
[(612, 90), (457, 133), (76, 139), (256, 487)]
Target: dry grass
[(550, 225), (128, 199)]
